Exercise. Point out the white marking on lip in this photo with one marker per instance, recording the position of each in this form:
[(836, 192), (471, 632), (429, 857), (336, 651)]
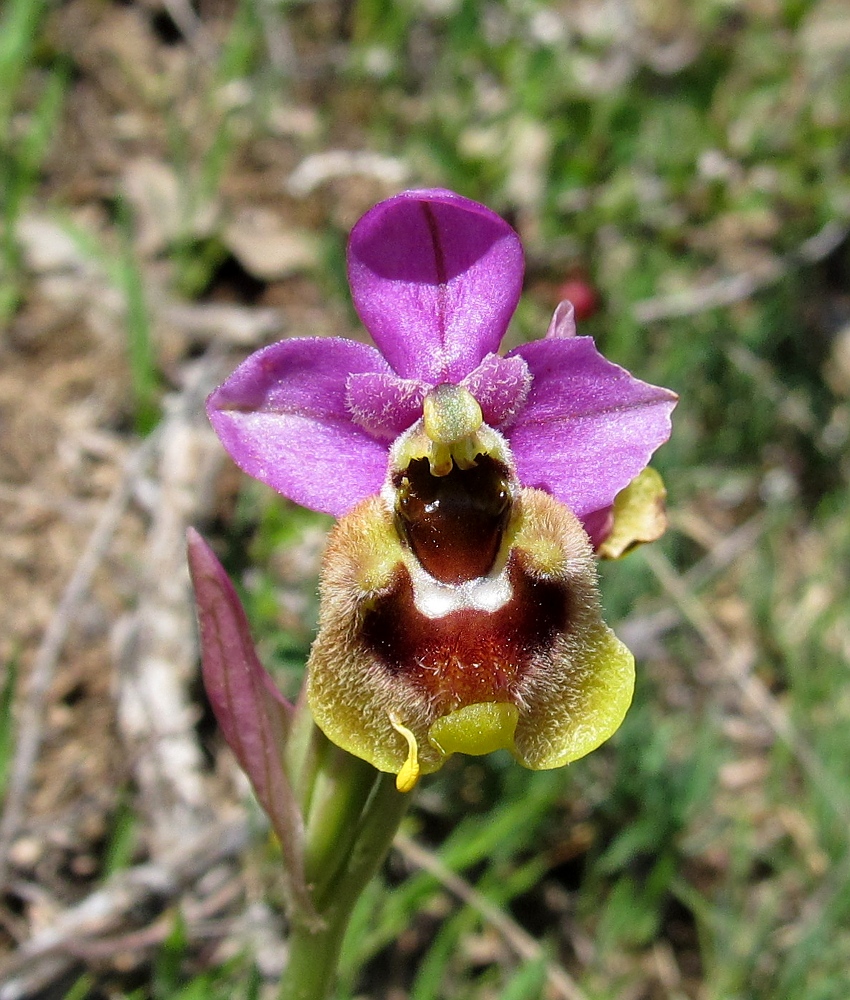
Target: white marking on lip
[(434, 599)]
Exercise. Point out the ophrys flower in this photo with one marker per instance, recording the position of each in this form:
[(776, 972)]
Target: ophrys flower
[(459, 602)]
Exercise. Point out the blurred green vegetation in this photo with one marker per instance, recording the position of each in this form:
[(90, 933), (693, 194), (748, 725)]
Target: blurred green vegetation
[(696, 143), (656, 150), (24, 139)]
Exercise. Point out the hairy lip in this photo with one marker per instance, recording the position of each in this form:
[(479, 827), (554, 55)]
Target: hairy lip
[(467, 655)]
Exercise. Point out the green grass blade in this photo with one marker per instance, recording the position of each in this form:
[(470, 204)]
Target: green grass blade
[(7, 726)]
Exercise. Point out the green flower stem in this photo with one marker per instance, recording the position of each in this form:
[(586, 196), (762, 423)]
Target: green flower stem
[(341, 791), (314, 953)]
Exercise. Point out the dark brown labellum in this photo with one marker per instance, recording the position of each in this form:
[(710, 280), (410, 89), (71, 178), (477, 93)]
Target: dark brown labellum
[(467, 655)]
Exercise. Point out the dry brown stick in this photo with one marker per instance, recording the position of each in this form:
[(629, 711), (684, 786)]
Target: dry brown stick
[(738, 668), (641, 631), (187, 21), (31, 717), (776, 719), (319, 168), (726, 551), (196, 915), (155, 885), (156, 654), (520, 941), (738, 287)]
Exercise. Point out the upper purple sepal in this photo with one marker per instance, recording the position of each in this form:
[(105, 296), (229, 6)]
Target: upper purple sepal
[(435, 278)]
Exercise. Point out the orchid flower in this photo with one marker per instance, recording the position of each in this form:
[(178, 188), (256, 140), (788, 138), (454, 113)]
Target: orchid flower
[(460, 610)]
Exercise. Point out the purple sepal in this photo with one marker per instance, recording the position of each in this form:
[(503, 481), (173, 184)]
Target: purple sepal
[(435, 278), (252, 713), (598, 525), (283, 418), (588, 427)]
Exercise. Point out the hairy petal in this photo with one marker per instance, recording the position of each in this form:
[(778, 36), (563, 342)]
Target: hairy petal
[(283, 417), (588, 427), (252, 713), (385, 405), (435, 278), (500, 385)]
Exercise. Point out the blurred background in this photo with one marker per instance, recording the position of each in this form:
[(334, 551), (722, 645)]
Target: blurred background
[(177, 181)]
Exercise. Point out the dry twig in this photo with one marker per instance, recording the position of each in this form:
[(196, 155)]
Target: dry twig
[(148, 887), (738, 287), (736, 663), (319, 168), (157, 650), (31, 718), (642, 632), (522, 943)]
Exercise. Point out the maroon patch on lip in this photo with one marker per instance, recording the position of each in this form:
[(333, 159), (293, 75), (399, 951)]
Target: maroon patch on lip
[(454, 523), (467, 656)]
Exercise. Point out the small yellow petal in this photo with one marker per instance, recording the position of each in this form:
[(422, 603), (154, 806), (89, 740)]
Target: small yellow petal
[(409, 774), (639, 515), (476, 729)]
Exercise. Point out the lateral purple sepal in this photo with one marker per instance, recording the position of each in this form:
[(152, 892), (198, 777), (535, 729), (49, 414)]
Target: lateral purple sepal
[(588, 427), (252, 713), (435, 278), (283, 418), (598, 525)]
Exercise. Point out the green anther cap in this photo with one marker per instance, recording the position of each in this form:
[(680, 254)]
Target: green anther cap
[(451, 434), (451, 414)]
